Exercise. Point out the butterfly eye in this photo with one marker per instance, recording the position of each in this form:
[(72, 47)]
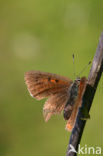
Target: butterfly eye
[(78, 79)]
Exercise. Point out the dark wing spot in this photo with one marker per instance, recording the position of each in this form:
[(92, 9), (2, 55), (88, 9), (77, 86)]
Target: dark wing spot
[(56, 80), (49, 79)]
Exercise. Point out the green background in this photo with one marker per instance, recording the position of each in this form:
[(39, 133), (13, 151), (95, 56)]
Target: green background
[(42, 35)]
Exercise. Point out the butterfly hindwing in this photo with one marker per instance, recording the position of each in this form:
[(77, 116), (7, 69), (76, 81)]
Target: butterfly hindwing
[(55, 104)]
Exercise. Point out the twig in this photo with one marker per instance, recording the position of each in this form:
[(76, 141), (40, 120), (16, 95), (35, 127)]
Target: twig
[(93, 80)]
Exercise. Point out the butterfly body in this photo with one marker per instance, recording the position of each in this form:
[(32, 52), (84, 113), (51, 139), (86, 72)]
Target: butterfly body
[(71, 101), (62, 93)]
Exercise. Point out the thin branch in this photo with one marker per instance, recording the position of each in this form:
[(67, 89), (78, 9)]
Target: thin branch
[(93, 80)]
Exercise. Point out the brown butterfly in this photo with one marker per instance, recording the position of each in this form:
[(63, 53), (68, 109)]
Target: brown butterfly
[(62, 94)]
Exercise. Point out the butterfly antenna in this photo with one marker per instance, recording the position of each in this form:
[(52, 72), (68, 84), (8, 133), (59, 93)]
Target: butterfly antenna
[(73, 67), (84, 68)]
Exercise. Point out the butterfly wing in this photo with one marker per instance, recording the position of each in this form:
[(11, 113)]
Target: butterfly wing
[(55, 104), (72, 119), (46, 85), (42, 84)]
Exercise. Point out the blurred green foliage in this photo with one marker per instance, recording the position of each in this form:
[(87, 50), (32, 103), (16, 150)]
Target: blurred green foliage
[(42, 35)]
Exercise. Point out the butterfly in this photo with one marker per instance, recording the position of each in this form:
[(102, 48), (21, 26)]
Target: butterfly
[(62, 94)]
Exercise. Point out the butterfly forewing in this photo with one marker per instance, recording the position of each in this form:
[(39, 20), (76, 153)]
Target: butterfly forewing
[(42, 84)]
